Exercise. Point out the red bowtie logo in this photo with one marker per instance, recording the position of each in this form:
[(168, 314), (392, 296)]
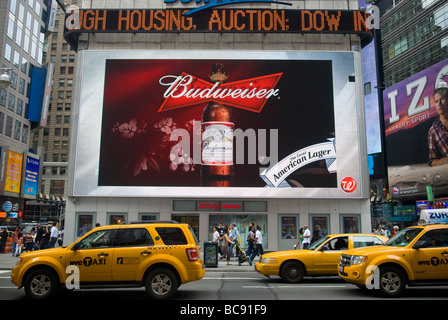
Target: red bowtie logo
[(186, 90)]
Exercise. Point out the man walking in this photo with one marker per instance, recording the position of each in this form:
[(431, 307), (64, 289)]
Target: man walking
[(306, 237), (259, 245), (54, 232)]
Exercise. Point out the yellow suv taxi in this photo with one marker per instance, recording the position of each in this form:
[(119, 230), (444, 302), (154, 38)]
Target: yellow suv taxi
[(159, 256), (417, 255)]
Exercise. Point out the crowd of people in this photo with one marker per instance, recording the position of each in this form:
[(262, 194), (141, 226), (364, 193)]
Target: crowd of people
[(382, 230), (39, 237), (228, 239)]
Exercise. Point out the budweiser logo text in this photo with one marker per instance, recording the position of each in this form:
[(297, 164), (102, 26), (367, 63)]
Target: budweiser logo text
[(250, 94)]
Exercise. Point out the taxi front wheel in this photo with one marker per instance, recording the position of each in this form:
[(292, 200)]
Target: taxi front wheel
[(292, 272), (161, 284), (41, 284), (392, 282)]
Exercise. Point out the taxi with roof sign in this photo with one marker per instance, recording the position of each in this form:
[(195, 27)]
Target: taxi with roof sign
[(159, 256)]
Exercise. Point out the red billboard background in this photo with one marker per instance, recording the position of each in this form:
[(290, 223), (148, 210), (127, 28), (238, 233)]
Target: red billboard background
[(135, 136)]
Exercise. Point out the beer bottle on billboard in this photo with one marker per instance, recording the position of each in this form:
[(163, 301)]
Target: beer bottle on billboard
[(217, 139)]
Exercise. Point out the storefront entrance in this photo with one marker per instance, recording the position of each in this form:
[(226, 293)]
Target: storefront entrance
[(242, 222)]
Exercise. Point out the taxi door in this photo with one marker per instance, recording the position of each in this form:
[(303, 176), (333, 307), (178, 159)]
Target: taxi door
[(326, 258), (134, 252), (93, 256), (431, 260)]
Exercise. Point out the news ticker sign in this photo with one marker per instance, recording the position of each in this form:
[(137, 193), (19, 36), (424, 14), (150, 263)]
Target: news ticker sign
[(217, 20)]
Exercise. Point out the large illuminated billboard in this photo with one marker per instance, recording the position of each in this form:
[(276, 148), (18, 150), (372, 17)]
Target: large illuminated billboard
[(296, 128), (409, 114)]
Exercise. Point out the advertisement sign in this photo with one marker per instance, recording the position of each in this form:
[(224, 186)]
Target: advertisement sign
[(205, 20), (31, 175), (434, 216), (283, 125), (409, 113), (13, 173)]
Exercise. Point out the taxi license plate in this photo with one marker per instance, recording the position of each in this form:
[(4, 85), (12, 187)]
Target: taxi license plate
[(341, 269)]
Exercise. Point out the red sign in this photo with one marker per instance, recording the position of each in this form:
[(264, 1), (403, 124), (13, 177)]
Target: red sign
[(186, 90), (348, 184), (220, 206)]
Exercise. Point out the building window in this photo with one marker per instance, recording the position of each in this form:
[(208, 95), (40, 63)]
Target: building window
[(2, 97), (116, 218), (25, 133), (2, 120), (84, 223), (17, 128), (367, 88), (8, 131), (12, 102), (19, 107), (22, 86), (351, 223)]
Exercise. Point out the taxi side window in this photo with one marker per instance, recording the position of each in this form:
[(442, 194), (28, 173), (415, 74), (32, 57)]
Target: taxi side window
[(99, 239), (340, 243), (172, 236), (435, 238), (135, 237), (366, 241)]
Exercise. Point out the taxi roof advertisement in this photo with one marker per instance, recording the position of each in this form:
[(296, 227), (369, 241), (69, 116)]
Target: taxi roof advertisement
[(409, 116), (297, 129)]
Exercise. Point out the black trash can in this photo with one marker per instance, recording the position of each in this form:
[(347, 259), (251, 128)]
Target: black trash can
[(211, 254)]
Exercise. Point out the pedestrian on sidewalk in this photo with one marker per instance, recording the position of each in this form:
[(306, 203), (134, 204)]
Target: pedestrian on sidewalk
[(259, 245), (45, 238), (29, 240), (19, 245), (300, 240), (3, 239), (250, 241), (306, 237), (15, 237), (225, 246), (54, 232), (234, 236)]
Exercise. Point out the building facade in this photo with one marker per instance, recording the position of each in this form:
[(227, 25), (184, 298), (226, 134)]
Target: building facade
[(22, 29), (309, 166), (414, 47)]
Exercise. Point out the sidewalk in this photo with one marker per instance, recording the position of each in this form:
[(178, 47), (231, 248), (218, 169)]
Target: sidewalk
[(8, 262)]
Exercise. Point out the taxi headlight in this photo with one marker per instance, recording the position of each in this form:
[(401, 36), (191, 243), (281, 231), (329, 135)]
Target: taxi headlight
[(268, 260), (358, 259)]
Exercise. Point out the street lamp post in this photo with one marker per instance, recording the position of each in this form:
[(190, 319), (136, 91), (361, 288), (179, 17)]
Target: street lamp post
[(5, 80)]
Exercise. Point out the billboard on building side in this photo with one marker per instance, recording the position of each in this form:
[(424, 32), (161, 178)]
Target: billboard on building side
[(409, 115), (296, 126)]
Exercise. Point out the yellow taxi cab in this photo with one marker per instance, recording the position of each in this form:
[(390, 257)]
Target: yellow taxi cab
[(321, 258), (159, 256), (415, 256)]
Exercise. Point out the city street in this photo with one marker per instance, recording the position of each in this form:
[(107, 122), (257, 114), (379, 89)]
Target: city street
[(238, 286)]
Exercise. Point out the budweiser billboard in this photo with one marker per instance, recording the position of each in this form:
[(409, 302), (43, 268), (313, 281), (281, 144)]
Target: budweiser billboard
[(236, 125)]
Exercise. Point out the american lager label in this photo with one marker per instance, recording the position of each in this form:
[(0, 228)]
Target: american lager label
[(217, 143)]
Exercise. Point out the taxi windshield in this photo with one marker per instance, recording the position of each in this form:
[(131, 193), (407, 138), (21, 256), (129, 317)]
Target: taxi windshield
[(404, 237), (317, 243)]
